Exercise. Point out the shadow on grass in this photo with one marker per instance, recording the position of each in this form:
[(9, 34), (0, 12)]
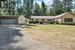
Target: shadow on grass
[(67, 24), (30, 26)]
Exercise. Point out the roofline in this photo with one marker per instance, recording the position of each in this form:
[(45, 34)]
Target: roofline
[(10, 15), (50, 17), (65, 14)]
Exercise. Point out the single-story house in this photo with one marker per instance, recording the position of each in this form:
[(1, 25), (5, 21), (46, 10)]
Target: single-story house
[(42, 19), (67, 18), (13, 19)]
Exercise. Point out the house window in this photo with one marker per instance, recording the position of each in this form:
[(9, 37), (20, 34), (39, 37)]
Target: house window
[(68, 19), (43, 20)]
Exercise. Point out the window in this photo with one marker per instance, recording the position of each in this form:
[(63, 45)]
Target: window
[(43, 20), (68, 19)]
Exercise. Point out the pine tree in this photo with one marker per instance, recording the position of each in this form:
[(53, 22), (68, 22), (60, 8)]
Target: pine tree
[(67, 5), (36, 9), (43, 8), (28, 8), (56, 7), (73, 4)]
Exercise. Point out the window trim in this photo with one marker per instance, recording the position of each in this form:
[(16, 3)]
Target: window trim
[(68, 19)]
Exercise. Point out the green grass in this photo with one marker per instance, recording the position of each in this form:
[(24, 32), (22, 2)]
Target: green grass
[(62, 28)]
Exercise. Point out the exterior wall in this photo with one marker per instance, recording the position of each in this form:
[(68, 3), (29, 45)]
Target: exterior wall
[(21, 20), (40, 20), (58, 19), (67, 16), (13, 20)]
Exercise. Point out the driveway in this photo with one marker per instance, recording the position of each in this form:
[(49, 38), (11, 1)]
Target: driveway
[(13, 37), (10, 37)]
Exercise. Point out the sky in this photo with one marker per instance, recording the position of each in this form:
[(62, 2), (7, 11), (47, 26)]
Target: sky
[(48, 2)]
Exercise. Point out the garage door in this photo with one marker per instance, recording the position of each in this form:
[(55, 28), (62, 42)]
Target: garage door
[(8, 21)]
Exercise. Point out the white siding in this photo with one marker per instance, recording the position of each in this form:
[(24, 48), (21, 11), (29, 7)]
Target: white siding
[(21, 20), (73, 20)]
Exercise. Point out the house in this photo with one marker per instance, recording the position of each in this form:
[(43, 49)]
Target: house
[(42, 19), (65, 18), (13, 19), (23, 20)]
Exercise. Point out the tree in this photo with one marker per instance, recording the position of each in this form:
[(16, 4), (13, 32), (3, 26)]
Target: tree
[(0, 3), (20, 10), (36, 10), (12, 7), (15, 7), (56, 7), (43, 8), (28, 8), (18, 7), (74, 4), (3, 6), (67, 5)]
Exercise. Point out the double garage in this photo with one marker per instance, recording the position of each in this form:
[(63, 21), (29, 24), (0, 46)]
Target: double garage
[(8, 19)]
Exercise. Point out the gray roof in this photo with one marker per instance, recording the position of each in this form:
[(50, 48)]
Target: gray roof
[(51, 17), (62, 14), (42, 17)]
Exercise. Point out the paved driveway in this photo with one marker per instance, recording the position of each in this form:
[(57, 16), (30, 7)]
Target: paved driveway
[(10, 37), (13, 37)]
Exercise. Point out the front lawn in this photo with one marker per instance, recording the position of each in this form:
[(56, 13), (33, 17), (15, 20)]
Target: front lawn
[(58, 36)]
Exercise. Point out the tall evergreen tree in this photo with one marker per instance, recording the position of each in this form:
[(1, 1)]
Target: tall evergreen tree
[(2, 6), (44, 8), (36, 10), (56, 7), (73, 4), (20, 10), (28, 8), (15, 7), (67, 5)]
